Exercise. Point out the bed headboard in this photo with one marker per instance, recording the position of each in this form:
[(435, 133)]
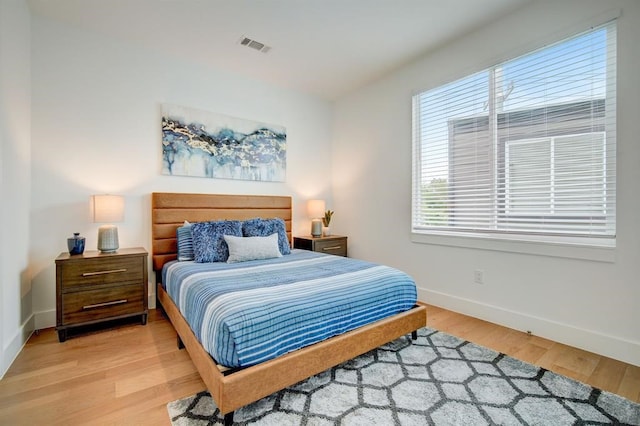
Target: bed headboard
[(170, 210)]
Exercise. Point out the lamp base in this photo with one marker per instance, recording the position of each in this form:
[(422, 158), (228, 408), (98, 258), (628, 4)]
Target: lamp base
[(108, 239), (316, 228)]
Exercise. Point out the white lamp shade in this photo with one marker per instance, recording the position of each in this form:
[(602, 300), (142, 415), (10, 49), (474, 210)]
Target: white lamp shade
[(315, 208), (108, 208)]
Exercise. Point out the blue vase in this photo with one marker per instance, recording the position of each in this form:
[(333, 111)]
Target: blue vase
[(75, 244)]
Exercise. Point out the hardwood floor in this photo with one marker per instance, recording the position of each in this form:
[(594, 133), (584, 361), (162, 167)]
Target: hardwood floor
[(596, 370), (126, 375)]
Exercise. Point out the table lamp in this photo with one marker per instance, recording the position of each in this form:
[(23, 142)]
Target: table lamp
[(108, 209), (315, 209)]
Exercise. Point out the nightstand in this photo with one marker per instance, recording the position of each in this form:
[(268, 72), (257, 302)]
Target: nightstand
[(95, 287), (334, 244)]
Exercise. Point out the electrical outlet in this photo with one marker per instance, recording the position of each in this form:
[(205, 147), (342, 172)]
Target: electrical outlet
[(478, 277)]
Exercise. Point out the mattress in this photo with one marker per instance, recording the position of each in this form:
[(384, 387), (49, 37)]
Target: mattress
[(247, 313)]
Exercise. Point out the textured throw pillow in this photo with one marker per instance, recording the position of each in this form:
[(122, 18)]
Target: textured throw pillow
[(185, 242), (242, 249), (265, 227), (208, 241)]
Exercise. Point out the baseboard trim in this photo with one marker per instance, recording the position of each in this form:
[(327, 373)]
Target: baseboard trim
[(11, 351), (613, 347), (45, 319)]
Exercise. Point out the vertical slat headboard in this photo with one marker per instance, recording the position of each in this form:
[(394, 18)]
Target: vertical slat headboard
[(170, 210)]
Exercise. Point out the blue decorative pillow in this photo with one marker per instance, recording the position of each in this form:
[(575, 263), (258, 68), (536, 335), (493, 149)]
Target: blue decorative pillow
[(208, 241), (185, 242), (264, 227)]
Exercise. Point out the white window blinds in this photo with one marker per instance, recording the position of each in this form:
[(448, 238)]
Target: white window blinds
[(525, 147)]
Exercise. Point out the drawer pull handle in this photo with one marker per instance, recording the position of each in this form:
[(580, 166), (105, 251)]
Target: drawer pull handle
[(111, 271), (331, 248), (100, 305)]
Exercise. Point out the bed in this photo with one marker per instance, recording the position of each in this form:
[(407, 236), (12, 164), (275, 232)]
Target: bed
[(233, 388)]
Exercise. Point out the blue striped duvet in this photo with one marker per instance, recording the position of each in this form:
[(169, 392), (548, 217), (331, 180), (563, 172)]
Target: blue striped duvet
[(250, 312)]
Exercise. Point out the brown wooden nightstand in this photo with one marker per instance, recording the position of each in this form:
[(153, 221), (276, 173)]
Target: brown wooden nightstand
[(334, 244), (94, 287)]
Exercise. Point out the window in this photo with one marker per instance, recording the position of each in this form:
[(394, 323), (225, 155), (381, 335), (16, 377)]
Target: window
[(525, 148)]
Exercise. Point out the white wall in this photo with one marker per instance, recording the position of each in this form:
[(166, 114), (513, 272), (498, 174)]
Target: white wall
[(592, 305), (96, 129), (15, 156)]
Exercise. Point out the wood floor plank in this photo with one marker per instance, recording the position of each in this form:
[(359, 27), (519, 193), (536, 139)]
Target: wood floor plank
[(152, 376), (608, 374), (121, 409), (630, 384), (126, 375), (529, 352)]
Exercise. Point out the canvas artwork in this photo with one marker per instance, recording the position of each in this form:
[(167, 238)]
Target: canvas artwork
[(206, 144)]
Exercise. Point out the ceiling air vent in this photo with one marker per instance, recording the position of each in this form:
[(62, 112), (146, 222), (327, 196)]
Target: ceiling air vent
[(253, 44)]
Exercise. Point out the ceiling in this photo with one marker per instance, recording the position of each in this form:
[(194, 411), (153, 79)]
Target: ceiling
[(325, 48)]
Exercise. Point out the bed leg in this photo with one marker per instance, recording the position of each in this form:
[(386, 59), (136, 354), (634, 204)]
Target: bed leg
[(179, 341), (414, 334), (228, 419)]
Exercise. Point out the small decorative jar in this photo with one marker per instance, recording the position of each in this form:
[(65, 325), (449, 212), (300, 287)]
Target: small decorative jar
[(75, 244)]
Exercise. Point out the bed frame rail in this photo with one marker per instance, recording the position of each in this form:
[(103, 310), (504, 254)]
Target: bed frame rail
[(253, 383)]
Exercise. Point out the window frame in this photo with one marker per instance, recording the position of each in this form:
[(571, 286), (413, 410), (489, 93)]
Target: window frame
[(582, 247)]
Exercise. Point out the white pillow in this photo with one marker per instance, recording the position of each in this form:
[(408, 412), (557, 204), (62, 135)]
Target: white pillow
[(242, 249)]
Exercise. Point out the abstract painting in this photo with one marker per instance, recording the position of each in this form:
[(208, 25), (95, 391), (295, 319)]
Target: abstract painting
[(206, 144)]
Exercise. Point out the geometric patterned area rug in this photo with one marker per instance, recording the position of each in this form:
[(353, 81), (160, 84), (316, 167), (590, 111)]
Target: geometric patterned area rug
[(437, 379)]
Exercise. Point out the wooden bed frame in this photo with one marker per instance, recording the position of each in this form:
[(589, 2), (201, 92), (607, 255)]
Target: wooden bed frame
[(233, 389)]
